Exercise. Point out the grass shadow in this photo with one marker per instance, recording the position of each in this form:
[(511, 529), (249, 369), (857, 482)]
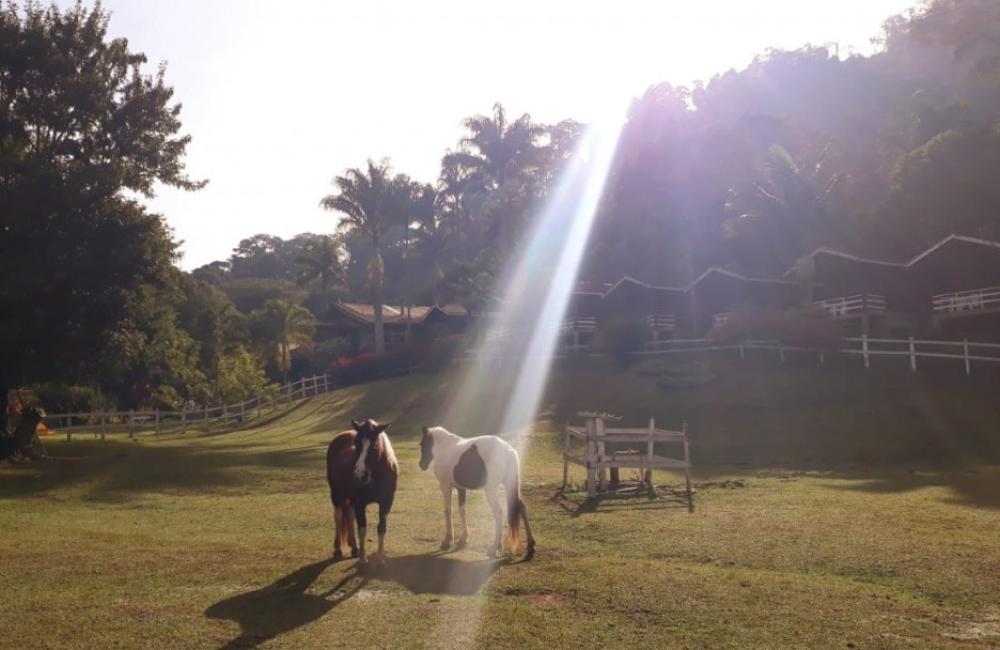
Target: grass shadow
[(117, 470), (579, 504), (978, 487), (283, 605), (438, 574)]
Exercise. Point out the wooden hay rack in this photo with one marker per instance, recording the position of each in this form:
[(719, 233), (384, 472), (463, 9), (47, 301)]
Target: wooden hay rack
[(606, 449)]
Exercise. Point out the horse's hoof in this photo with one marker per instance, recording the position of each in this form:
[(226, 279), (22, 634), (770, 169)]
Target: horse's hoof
[(462, 543), (492, 552), (338, 555), (530, 553), (354, 552), (445, 545), (379, 560)]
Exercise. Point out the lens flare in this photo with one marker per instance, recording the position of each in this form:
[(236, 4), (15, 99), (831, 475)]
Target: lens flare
[(500, 391)]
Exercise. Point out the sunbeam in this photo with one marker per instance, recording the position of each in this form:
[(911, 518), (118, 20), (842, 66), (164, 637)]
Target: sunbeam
[(502, 392)]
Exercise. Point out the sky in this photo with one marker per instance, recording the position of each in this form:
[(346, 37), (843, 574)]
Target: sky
[(279, 97)]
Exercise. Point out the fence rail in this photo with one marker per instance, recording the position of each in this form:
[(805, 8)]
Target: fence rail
[(864, 346), (972, 300), (160, 421), (849, 305)]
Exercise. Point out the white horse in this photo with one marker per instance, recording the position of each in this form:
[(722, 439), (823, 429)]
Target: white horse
[(486, 463)]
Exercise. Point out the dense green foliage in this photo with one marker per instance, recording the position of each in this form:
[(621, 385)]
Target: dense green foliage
[(882, 154)]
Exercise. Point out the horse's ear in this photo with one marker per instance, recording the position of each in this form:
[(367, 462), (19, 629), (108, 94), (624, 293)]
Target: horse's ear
[(356, 424), (384, 427)]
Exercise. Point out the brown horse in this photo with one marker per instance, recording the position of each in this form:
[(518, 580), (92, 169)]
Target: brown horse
[(361, 468)]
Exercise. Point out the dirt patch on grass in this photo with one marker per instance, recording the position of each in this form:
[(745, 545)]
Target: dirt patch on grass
[(545, 600)]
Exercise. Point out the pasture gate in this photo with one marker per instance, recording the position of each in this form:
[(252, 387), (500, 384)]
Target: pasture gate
[(607, 448)]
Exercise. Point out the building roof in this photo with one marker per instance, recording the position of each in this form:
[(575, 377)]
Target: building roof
[(907, 264), (392, 314)]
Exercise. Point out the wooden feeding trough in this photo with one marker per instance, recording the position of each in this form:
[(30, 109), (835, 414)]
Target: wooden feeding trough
[(607, 448)]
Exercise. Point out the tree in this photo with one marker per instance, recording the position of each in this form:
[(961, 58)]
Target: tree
[(320, 259), (240, 376), (83, 132), (279, 327), (370, 200), (497, 163)]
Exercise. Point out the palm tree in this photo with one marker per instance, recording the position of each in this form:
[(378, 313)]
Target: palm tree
[(280, 326), (496, 160), (369, 200), (320, 259)]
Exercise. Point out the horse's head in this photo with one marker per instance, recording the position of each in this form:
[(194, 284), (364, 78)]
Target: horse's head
[(365, 441), (36, 413), (426, 449)]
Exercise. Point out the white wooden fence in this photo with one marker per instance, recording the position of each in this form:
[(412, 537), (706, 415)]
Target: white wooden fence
[(972, 300), (866, 347), (100, 423)]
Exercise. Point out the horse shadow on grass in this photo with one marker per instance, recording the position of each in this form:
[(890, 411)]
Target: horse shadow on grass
[(287, 603)]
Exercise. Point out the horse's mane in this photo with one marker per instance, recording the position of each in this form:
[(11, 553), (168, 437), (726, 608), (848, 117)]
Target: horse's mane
[(384, 450)]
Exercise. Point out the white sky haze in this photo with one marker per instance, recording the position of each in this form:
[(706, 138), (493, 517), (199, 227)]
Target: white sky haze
[(281, 96)]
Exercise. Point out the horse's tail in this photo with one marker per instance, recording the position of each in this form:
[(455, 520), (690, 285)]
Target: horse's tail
[(515, 505)]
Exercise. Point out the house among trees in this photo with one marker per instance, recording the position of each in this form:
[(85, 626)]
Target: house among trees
[(951, 289), (416, 323)]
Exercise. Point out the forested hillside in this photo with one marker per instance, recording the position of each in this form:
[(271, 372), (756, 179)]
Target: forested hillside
[(749, 170)]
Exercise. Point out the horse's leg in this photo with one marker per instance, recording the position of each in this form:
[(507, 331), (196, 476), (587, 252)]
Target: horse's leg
[(530, 553), (338, 533), (359, 514), (446, 495), (352, 540), (383, 517), (494, 502), (463, 538)]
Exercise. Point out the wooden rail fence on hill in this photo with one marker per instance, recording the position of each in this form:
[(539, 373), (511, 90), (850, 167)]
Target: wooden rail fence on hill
[(161, 421)]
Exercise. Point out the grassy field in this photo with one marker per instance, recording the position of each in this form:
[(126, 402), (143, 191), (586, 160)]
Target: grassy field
[(834, 508)]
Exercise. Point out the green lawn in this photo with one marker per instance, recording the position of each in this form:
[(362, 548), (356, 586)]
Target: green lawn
[(834, 508)]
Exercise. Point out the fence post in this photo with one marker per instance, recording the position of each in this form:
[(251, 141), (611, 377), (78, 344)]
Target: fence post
[(326, 383), (913, 356), (601, 452), (69, 436), (687, 465), (225, 414), (206, 413), (243, 411), (131, 423), (184, 419), (864, 350), (566, 442), (104, 425), (591, 460), (157, 420), (965, 354), (649, 454)]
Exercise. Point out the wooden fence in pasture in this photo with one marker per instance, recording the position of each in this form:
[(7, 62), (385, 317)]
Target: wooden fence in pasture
[(606, 448), (101, 423), (864, 346)]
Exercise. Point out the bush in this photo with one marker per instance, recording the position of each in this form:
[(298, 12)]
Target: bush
[(808, 327), (67, 398), (326, 353), (397, 361), (623, 337)]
